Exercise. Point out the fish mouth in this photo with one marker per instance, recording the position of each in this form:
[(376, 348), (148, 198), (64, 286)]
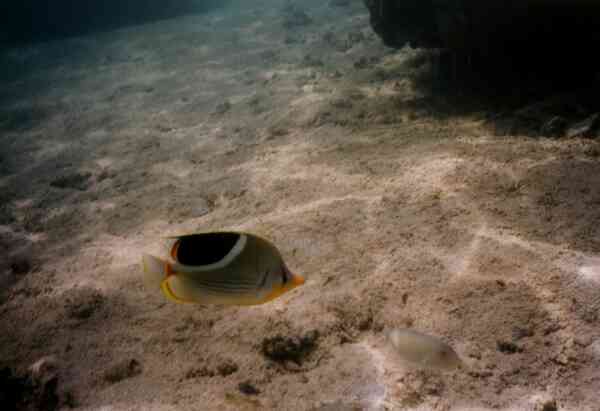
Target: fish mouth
[(293, 280), (297, 280)]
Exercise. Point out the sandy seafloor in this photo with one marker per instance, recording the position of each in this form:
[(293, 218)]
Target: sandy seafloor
[(402, 208)]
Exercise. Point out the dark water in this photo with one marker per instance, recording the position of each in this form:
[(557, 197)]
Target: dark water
[(25, 21)]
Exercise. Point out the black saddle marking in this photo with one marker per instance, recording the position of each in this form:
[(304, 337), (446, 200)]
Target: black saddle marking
[(204, 249)]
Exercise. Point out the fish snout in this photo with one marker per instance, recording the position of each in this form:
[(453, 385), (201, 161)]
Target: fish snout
[(297, 280)]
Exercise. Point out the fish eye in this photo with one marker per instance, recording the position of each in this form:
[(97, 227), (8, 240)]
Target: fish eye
[(285, 274)]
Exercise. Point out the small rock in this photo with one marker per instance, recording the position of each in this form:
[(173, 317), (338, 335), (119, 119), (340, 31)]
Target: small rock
[(276, 131), (365, 323), (163, 128), (549, 405), (404, 298), (508, 347), (122, 370), (75, 181), (339, 406), (282, 349), (292, 366), (227, 368), (474, 353), (590, 316), (585, 128), (519, 333), (247, 388), (552, 328), (481, 374), (342, 103), (562, 358), (199, 372), (583, 341), (81, 303)]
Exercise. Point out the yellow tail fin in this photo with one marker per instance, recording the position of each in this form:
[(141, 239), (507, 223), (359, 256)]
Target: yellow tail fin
[(154, 271)]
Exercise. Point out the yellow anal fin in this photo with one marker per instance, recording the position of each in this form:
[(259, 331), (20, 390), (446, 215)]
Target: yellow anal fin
[(166, 288)]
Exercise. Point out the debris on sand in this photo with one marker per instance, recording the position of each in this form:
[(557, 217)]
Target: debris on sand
[(338, 406), (243, 402), (223, 368), (246, 387), (199, 373), (74, 181), (81, 303), (282, 348), (227, 368), (522, 332), (122, 370), (549, 405), (276, 131), (508, 347)]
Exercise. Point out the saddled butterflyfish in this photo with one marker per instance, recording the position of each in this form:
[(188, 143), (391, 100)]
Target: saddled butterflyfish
[(222, 268)]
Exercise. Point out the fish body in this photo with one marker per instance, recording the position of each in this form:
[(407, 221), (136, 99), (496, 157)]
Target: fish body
[(221, 268), (424, 350)]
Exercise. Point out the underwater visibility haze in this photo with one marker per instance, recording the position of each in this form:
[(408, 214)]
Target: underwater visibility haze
[(297, 205)]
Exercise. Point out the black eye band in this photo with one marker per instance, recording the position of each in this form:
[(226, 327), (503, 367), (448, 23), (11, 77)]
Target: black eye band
[(284, 277)]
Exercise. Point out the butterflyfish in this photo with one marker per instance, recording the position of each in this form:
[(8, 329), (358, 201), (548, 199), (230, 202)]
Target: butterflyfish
[(220, 268)]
